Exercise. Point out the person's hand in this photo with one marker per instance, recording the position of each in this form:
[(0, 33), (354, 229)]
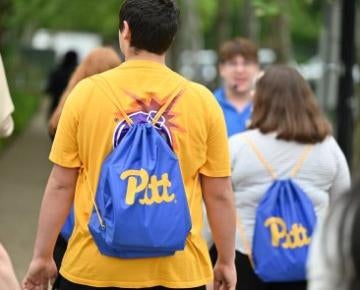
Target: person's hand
[(224, 276), (39, 274)]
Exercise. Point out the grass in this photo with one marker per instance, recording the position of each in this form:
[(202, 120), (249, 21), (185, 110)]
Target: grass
[(25, 106)]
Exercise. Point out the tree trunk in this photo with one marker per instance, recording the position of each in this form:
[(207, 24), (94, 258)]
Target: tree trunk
[(188, 38), (281, 34), (222, 26), (4, 11), (345, 112), (251, 23), (330, 56), (356, 162)]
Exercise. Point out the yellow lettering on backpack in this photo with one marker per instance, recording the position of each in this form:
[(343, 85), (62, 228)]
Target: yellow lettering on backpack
[(153, 186), (134, 188), (280, 236), (277, 229)]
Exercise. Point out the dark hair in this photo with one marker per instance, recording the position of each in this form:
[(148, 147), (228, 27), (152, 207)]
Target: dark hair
[(345, 217), (153, 23), (70, 59), (285, 104), (238, 46)]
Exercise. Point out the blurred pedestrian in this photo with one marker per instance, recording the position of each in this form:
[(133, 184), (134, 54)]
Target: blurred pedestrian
[(6, 105), (59, 77), (99, 60), (238, 68), (8, 279), (289, 139), (141, 94), (334, 262)]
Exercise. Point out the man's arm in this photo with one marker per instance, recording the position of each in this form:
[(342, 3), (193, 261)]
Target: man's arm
[(219, 201), (55, 207)]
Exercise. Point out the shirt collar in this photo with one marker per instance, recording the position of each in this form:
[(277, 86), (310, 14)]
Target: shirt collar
[(222, 99)]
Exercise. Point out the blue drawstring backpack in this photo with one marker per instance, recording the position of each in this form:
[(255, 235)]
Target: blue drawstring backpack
[(284, 224), (140, 209)]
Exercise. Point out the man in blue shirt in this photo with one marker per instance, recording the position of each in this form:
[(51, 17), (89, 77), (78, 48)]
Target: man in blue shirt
[(238, 68)]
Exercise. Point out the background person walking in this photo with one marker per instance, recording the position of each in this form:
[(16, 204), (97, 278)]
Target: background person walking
[(288, 138), (238, 68)]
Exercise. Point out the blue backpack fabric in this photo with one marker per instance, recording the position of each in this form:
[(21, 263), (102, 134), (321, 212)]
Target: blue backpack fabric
[(284, 224), (141, 207), (68, 226)]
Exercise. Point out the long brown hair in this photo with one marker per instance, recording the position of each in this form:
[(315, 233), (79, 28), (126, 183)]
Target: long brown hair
[(284, 103), (99, 60)]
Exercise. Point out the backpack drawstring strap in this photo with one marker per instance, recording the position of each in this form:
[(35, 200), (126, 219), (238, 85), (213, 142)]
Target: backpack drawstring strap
[(301, 160), (167, 104), (244, 240), (158, 115), (113, 98), (260, 156), (101, 221)]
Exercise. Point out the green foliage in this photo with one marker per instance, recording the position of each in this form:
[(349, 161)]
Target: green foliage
[(306, 20), (25, 106), (266, 8), (86, 15), (101, 17), (207, 10)]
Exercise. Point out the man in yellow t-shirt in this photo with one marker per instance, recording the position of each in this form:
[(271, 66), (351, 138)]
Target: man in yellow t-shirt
[(90, 127)]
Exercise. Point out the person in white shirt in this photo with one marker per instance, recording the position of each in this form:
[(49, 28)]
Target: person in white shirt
[(6, 105), (334, 261), (285, 120), (8, 280)]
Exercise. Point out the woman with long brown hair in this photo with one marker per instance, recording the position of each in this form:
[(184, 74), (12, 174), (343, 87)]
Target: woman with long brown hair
[(288, 137), (99, 60)]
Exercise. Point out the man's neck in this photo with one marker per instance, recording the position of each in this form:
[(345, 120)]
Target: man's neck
[(145, 55), (237, 99)]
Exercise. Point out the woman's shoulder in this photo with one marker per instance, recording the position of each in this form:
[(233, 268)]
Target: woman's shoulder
[(331, 148), (253, 135), (328, 144), (242, 140)]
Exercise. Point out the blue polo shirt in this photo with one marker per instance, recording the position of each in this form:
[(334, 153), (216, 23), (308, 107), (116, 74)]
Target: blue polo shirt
[(236, 122)]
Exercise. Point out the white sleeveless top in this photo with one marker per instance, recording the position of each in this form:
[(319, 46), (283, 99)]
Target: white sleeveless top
[(6, 105)]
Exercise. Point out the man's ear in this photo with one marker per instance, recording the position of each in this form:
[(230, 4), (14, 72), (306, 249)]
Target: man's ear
[(126, 33)]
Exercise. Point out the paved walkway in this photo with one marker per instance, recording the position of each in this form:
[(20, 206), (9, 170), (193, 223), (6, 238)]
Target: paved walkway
[(24, 168)]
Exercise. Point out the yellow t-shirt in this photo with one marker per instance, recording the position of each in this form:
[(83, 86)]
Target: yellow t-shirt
[(85, 136)]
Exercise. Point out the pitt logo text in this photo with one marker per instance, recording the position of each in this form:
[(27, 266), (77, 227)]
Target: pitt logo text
[(297, 237), (138, 181)]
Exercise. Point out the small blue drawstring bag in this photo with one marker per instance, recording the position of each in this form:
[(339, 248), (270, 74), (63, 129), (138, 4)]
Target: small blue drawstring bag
[(141, 208), (284, 224)]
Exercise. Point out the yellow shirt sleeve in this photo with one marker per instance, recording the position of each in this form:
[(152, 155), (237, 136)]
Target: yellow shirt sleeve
[(217, 155), (65, 149)]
